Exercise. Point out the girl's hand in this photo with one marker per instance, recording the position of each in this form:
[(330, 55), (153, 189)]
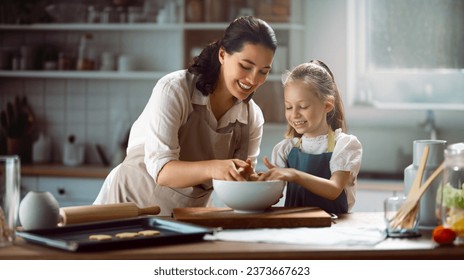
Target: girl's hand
[(230, 170), (268, 163), (276, 173)]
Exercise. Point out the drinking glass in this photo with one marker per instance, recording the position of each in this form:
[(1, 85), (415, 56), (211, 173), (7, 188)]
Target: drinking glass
[(9, 198), (404, 226)]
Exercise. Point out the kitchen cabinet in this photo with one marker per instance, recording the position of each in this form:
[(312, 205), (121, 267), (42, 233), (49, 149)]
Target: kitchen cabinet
[(88, 104), (67, 191), (371, 194), (70, 185), (154, 48)]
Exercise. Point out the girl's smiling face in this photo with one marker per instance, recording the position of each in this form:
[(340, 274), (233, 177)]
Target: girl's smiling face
[(242, 73), (305, 111)]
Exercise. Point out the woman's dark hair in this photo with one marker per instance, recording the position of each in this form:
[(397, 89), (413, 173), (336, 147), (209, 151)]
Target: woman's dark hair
[(242, 30)]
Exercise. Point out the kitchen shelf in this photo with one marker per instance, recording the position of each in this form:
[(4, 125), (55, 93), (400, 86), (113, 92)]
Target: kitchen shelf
[(172, 44), (133, 75), (134, 26), (92, 75), (92, 27), (59, 170), (222, 26)]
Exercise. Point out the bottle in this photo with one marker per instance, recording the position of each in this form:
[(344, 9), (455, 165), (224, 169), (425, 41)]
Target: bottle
[(41, 149), (64, 61), (122, 15), (194, 11), (107, 15), (93, 15), (451, 195), (73, 152), (86, 55), (107, 62), (427, 216)]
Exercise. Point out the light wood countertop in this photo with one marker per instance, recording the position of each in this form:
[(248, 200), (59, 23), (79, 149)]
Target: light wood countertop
[(414, 248), (60, 170)]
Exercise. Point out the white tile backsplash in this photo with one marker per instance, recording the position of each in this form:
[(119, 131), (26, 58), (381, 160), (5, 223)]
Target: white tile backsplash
[(97, 116), (102, 111), (95, 111), (55, 87), (55, 116), (76, 116)]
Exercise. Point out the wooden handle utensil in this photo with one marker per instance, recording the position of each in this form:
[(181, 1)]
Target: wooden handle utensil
[(103, 212), (407, 213)]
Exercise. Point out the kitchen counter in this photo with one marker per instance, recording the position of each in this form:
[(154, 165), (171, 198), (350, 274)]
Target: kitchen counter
[(417, 248), (60, 170)]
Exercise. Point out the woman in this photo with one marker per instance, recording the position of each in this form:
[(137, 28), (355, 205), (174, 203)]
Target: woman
[(198, 124)]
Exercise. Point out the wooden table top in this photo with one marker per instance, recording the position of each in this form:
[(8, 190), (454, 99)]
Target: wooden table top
[(415, 248)]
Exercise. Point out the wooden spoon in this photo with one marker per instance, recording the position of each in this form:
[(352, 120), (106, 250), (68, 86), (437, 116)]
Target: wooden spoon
[(412, 200), (409, 211)]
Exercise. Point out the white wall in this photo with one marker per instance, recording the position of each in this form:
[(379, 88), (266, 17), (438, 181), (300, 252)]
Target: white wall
[(386, 135), (101, 111)]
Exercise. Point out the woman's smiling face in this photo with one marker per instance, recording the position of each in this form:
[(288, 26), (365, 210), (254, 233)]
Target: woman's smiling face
[(304, 111), (242, 73)]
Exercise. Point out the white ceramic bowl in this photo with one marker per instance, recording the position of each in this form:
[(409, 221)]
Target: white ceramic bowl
[(250, 196)]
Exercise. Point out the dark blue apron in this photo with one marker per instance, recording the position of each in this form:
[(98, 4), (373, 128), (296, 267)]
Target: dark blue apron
[(318, 165)]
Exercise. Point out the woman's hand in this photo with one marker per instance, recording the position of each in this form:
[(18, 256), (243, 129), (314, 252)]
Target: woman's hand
[(230, 170), (200, 172), (247, 172)]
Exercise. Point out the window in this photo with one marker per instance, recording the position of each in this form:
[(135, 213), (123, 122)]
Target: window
[(407, 54)]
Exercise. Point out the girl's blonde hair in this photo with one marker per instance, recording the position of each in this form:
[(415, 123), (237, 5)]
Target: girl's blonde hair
[(317, 76)]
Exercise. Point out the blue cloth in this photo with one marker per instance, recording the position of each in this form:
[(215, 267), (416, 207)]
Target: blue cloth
[(317, 165)]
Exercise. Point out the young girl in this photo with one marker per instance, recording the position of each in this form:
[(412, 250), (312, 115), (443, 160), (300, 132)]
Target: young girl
[(318, 159)]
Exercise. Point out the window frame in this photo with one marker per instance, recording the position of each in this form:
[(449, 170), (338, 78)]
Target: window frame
[(363, 78)]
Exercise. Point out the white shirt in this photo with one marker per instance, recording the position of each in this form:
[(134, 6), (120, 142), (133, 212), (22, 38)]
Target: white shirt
[(346, 156), (168, 109)]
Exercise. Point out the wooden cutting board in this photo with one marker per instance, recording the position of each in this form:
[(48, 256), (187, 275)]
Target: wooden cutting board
[(275, 217)]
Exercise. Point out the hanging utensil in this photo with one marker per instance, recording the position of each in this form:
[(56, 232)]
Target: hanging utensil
[(18, 121), (4, 122), (11, 120)]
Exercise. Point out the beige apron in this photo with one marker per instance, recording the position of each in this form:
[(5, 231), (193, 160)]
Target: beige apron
[(198, 141)]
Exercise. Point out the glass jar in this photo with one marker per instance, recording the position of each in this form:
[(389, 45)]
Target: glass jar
[(452, 190)]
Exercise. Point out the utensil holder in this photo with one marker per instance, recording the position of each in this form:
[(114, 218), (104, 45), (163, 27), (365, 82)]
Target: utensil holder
[(21, 147), (428, 201)]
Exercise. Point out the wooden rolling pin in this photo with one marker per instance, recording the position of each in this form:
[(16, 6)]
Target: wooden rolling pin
[(103, 212)]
